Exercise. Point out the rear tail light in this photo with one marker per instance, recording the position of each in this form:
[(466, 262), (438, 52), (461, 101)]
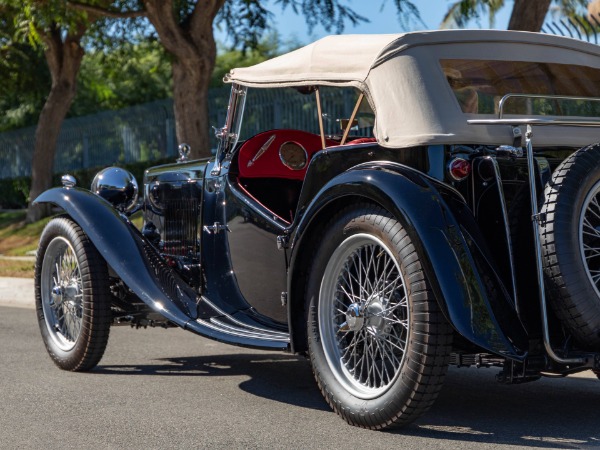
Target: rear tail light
[(459, 169)]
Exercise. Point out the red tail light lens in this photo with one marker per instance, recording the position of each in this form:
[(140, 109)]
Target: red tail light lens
[(459, 169)]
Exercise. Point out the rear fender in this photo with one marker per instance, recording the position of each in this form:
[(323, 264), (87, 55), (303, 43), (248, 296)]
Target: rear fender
[(442, 227), (127, 253)]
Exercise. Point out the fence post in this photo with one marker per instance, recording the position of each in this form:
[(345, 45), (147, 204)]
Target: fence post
[(170, 136), (277, 113), (86, 152)]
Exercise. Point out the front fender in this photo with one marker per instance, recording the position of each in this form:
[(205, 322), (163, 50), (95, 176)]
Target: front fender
[(444, 231), (127, 253)]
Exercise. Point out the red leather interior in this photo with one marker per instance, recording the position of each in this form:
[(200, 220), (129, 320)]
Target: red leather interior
[(269, 164), (362, 140)]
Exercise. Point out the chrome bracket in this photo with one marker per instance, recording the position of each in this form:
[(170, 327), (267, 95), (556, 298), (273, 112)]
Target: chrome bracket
[(216, 228), (509, 151), (517, 137), (282, 242), (539, 218)]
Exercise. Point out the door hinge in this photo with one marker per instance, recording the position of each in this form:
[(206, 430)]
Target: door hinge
[(215, 228), (284, 299), (282, 242)]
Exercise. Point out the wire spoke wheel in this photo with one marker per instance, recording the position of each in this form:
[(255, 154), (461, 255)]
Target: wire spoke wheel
[(589, 236), (378, 344), (72, 296), (363, 316), (62, 293)]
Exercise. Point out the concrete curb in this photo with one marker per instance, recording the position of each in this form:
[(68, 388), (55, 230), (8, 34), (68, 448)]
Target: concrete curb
[(17, 292)]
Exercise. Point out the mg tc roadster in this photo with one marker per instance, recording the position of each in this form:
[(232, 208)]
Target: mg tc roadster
[(387, 205)]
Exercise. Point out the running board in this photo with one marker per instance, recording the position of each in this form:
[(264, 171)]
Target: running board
[(240, 330)]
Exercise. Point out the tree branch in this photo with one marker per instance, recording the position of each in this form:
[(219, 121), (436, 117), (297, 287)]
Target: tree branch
[(172, 37), (203, 16), (106, 12)]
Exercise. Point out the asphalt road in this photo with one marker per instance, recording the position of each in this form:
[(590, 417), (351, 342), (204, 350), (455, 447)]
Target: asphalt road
[(160, 388)]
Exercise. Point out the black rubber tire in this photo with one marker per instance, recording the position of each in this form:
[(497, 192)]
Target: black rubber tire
[(571, 292), (429, 336), (85, 351)]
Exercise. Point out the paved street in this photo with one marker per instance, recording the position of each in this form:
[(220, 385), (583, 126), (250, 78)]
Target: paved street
[(16, 292), (160, 388)]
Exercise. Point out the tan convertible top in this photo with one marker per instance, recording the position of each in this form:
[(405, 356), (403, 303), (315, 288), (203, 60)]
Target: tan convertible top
[(401, 76)]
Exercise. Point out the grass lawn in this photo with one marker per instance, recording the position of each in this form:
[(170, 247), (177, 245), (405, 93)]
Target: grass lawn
[(17, 238), (20, 269)]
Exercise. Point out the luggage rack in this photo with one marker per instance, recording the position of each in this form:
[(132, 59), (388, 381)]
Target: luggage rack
[(590, 360)]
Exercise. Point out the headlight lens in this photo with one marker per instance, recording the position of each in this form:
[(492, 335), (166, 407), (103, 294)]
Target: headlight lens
[(118, 186)]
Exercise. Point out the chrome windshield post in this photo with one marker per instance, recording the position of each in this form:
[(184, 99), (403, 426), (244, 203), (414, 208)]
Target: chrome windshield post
[(228, 136)]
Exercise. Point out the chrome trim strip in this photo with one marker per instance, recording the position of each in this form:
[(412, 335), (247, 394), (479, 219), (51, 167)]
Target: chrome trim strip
[(504, 99), (541, 122), (237, 332), (241, 331), (263, 331)]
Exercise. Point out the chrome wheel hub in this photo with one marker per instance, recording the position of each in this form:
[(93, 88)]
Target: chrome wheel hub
[(354, 318), (364, 316), (376, 318)]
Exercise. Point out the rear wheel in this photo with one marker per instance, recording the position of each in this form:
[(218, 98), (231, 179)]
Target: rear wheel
[(378, 342), (72, 296)]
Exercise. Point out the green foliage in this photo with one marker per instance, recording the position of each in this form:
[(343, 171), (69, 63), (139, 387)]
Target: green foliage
[(246, 21), (462, 11), (33, 18), (125, 76), (228, 59), (14, 193), (25, 79)]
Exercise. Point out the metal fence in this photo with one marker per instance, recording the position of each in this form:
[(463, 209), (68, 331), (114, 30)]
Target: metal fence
[(147, 132)]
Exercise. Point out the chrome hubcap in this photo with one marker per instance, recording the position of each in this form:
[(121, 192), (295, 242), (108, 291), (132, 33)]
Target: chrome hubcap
[(62, 293), (364, 316), (354, 318)]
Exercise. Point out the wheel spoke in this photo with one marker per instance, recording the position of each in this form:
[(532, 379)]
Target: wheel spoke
[(367, 351), (64, 295)]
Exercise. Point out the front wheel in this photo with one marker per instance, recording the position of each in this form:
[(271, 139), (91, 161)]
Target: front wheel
[(72, 296), (378, 343)]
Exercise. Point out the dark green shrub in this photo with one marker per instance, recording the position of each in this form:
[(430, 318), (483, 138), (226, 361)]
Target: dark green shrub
[(14, 193)]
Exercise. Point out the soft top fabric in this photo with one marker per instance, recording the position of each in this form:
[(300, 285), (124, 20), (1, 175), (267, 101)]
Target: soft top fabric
[(402, 79)]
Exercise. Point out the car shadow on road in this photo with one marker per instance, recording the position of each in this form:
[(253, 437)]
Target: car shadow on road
[(472, 407), (282, 378), (549, 413)]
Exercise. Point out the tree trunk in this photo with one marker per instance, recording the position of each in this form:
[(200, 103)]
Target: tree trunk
[(194, 51), (191, 79), (528, 15), (593, 10), (64, 60)]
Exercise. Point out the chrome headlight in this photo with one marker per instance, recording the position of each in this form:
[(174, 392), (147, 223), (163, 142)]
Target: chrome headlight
[(118, 186)]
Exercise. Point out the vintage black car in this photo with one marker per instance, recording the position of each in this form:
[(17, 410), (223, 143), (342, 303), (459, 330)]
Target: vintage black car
[(448, 214)]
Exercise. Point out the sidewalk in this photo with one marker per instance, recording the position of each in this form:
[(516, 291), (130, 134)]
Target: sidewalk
[(17, 292)]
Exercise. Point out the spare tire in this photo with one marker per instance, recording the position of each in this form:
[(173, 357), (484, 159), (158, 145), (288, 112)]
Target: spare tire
[(570, 239)]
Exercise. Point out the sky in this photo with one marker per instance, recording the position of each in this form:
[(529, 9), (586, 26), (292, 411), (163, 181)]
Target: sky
[(382, 16)]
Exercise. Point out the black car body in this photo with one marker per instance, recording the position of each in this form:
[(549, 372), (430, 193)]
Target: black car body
[(452, 219)]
